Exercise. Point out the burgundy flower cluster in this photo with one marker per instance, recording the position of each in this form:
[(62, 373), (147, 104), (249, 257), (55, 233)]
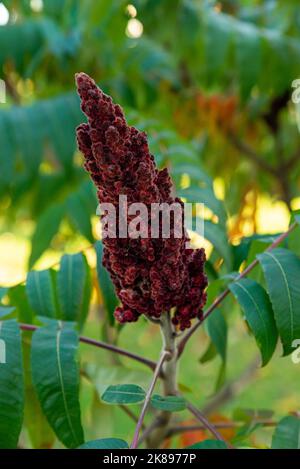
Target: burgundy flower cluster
[(151, 276)]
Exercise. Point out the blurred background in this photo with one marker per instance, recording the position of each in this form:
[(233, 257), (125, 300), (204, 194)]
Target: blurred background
[(211, 84)]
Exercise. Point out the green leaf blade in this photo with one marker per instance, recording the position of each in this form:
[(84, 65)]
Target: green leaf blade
[(259, 314), (40, 291), (107, 288), (105, 443), (282, 272), (208, 444), (46, 228), (71, 281), (287, 434), (11, 384), (168, 403), (123, 394), (56, 379)]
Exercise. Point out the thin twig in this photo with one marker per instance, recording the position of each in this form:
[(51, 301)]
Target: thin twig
[(165, 354), (97, 343), (209, 426), (222, 296), (220, 425)]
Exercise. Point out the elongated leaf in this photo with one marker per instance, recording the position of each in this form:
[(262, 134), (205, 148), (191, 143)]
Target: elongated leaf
[(259, 315), (206, 196), (209, 354), (257, 246), (72, 282), (245, 431), (39, 431), (56, 379), (217, 40), (18, 297), (40, 291), (168, 403), (105, 443), (123, 394), (11, 384), (195, 173), (282, 272), (248, 56), (217, 330), (87, 293), (108, 292), (46, 228), (208, 444), (287, 434), (79, 215), (217, 236)]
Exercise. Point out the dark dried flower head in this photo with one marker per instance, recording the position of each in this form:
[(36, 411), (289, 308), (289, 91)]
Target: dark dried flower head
[(151, 276)]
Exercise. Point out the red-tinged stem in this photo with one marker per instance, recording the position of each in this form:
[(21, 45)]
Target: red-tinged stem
[(97, 343), (165, 354), (199, 416), (222, 296)]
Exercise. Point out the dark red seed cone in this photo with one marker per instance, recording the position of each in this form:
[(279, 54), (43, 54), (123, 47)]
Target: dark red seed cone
[(151, 276)]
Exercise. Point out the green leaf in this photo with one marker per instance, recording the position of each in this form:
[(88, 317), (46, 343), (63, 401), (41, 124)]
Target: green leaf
[(218, 237), (107, 288), (257, 246), (217, 40), (19, 298), (209, 354), (123, 394), (282, 272), (217, 331), (46, 228), (248, 55), (80, 216), (259, 314), (105, 443), (245, 431), (56, 379), (208, 444), (87, 293), (74, 287), (40, 291), (206, 196), (287, 434), (11, 384), (40, 433), (168, 403), (195, 172)]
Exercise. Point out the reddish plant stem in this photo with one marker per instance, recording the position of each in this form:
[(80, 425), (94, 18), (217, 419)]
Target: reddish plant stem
[(165, 354), (199, 416), (97, 343), (222, 296)]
